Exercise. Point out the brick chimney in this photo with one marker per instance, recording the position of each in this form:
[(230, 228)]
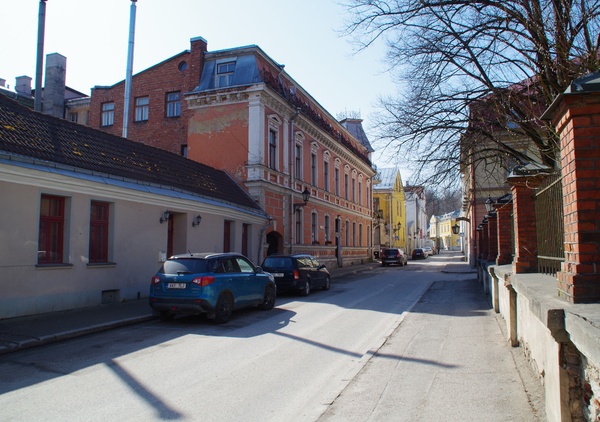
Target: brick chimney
[(54, 86)]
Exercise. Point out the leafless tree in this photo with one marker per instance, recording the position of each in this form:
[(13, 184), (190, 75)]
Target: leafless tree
[(479, 68)]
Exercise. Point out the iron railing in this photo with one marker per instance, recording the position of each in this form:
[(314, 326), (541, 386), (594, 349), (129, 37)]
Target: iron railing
[(549, 213)]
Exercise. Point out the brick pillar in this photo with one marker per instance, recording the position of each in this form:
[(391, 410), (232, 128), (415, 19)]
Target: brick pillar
[(479, 243), (503, 215), (525, 260), (577, 120), (486, 242), (492, 237)]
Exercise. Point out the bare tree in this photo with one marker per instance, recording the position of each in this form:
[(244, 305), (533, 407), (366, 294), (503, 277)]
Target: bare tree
[(475, 68)]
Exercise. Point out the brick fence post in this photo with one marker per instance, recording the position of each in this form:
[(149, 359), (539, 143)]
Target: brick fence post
[(576, 116), (525, 260), (492, 236), (503, 209)]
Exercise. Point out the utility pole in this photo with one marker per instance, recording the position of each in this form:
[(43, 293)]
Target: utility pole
[(39, 67)]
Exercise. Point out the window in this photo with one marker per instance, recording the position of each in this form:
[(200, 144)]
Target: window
[(337, 181), (360, 235), (141, 109), (108, 114), (225, 74), (313, 169), (353, 190), (326, 176), (313, 227), (347, 233), (174, 104), (360, 193), (73, 117), (184, 150), (346, 186), (298, 162), (298, 227), (272, 149), (99, 213), (327, 228), (353, 234), (52, 229)]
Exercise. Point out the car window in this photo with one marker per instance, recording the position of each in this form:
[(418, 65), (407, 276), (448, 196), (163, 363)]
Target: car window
[(277, 262), (315, 263), (184, 265), (244, 265), (304, 263)]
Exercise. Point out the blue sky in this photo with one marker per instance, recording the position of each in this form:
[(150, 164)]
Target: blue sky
[(303, 35)]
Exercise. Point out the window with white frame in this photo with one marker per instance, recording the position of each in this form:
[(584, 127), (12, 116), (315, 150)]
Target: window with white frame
[(225, 74), (273, 149), (173, 106), (314, 224), (337, 181), (354, 234), (353, 189), (346, 187), (108, 114), (347, 233), (313, 169), (327, 229), (360, 193), (326, 175), (298, 162), (142, 107), (299, 226)]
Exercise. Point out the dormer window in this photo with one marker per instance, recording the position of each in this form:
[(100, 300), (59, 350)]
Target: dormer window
[(225, 74)]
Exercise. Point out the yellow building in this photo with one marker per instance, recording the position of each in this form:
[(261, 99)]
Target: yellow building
[(446, 238), (389, 210)]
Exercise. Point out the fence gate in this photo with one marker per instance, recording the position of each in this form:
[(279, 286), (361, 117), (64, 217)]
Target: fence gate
[(549, 214)]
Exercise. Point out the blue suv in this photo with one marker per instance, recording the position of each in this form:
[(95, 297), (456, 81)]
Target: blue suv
[(214, 284)]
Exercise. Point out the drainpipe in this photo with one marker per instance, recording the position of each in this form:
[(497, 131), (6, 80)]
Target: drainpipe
[(129, 69), (291, 153)]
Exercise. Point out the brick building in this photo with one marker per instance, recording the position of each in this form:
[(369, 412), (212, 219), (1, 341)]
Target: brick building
[(238, 110)]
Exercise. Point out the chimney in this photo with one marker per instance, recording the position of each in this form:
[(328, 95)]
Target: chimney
[(54, 86), (23, 85)]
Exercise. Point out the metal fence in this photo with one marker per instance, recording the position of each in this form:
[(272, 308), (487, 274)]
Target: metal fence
[(549, 213)]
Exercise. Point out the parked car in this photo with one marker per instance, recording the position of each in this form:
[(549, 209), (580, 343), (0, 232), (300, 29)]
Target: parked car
[(393, 256), (299, 272), (429, 251), (214, 284), (419, 253)]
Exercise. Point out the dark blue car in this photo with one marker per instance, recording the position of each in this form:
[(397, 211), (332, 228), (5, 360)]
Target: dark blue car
[(214, 284)]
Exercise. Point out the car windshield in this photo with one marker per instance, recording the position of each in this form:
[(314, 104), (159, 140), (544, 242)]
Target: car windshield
[(277, 262), (184, 265)]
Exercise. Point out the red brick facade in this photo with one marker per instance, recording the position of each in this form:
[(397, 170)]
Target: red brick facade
[(577, 120), (180, 73), (525, 260)]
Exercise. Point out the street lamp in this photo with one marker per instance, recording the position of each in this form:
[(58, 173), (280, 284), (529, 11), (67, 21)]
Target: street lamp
[(305, 198), (397, 229), (456, 228)]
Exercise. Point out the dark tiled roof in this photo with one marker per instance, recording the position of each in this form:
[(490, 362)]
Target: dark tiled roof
[(48, 139)]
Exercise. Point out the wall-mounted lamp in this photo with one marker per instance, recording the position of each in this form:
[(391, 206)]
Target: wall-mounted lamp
[(196, 221), (305, 198), (456, 229), (165, 217), (398, 226)]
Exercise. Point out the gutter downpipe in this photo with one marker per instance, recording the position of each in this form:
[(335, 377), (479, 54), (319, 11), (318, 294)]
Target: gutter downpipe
[(129, 72), (292, 151)]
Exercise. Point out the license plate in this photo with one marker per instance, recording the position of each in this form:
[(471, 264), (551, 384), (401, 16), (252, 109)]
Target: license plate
[(277, 274), (176, 285)]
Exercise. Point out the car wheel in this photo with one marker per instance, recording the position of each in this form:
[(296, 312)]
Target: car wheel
[(305, 291), (166, 316), (268, 299), (327, 284), (224, 309), (400, 263)]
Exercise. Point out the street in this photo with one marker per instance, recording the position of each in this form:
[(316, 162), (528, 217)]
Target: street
[(287, 364)]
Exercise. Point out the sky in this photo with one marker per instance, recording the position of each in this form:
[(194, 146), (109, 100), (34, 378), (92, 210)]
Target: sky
[(304, 35)]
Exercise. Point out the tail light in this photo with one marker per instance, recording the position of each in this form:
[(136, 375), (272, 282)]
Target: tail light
[(296, 275), (155, 280), (203, 281)]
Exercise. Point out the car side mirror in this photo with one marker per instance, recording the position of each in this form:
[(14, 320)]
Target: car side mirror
[(259, 270)]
